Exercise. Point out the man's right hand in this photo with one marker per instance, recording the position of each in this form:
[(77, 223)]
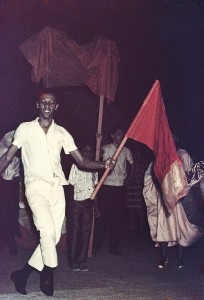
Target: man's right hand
[(110, 163)]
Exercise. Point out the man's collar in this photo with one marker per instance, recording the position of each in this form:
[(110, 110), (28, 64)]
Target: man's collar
[(37, 121)]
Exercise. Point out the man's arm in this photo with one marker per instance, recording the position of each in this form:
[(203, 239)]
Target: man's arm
[(91, 164), (7, 157)]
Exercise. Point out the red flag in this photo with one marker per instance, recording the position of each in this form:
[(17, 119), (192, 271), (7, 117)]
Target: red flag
[(151, 128)]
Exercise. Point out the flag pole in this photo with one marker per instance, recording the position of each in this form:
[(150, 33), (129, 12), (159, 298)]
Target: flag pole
[(97, 156), (100, 121), (122, 143), (105, 174)]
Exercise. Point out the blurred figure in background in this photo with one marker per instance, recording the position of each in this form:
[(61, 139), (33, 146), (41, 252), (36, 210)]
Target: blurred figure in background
[(183, 226), (111, 198), (134, 197), (9, 198), (81, 209)]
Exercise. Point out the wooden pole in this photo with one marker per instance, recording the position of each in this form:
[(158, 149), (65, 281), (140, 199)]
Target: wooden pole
[(99, 131), (97, 156)]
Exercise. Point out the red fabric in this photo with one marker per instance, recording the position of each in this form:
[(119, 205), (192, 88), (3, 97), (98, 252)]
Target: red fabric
[(59, 61), (151, 128)]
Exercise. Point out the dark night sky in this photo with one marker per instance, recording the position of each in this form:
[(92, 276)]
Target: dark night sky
[(156, 39)]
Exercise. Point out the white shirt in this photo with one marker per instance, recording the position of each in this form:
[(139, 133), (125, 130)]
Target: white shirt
[(41, 152), (117, 176), (84, 182), (13, 169)]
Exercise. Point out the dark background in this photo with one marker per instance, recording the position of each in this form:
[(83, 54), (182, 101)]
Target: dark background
[(156, 39)]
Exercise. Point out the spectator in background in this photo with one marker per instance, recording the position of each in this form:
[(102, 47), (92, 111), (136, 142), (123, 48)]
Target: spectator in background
[(134, 197), (81, 209), (9, 197), (111, 198), (182, 226)]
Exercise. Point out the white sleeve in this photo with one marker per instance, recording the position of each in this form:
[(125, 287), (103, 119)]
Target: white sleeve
[(19, 136), (68, 143)]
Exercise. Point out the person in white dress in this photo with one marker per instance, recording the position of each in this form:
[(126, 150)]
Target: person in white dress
[(169, 229)]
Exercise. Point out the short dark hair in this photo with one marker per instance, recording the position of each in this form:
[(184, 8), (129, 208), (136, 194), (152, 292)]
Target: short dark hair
[(116, 128), (47, 92)]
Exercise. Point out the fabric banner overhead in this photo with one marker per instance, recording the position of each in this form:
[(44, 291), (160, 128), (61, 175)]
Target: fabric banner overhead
[(59, 62)]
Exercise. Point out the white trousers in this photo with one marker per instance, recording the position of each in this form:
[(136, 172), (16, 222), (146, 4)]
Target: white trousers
[(47, 204)]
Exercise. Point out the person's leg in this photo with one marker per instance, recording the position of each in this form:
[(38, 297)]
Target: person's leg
[(48, 208), (47, 281), (20, 278), (102, 223), (48, 220), (117, 218), (9, 207), (4, 212), (85, 230), (69, 192), (74, 236), (163, 255), (13, 228), (179, 257)]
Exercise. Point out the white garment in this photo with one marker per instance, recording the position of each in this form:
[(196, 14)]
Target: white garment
[(174, 228), (43, 182), (118, 175), (48, 208), (84, 182), (13, 169), (41, 152)]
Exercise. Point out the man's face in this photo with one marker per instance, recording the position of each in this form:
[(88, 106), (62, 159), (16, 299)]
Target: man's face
[(47, 104), (117, 136)]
